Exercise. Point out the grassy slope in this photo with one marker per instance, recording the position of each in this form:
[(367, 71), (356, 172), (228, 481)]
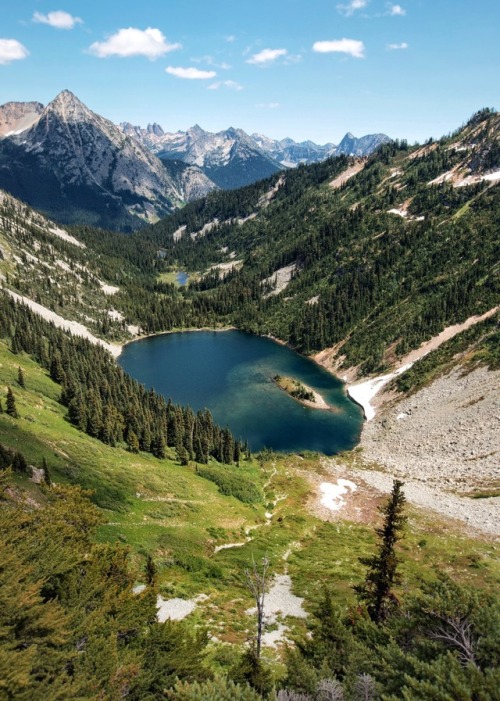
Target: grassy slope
[(163, 508)]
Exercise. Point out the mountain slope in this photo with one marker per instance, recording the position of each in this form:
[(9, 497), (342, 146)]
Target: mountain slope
[(18, 116), (77, 166), (371, 256)]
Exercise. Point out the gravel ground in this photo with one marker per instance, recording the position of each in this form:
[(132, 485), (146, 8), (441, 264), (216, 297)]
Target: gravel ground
[(444, 441)]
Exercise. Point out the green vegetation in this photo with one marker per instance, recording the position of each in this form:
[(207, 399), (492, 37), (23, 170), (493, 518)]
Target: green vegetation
[(365, 277), (105, 403), (294, 388), (231, 483), (81, 628), (478, 344)]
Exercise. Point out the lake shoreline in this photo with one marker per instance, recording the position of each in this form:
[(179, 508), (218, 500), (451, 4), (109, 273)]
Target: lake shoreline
[(200, 368), (121, 346)]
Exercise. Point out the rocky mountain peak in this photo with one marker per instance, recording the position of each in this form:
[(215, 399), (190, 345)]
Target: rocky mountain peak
[(155, 129), (196, 130), (69, 107), (97, 162)]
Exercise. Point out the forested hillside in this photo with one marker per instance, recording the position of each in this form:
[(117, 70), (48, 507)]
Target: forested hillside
[(372, 254)]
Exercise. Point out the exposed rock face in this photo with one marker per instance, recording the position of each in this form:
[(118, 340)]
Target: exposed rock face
[(18, 116), (233, 158), (230, 158), (351, 146), (77, 165)]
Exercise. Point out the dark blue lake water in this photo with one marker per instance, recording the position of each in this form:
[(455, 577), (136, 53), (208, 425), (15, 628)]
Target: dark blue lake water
[(231, 373)]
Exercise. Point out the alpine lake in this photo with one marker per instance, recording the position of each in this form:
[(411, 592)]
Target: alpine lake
[(231, 374)]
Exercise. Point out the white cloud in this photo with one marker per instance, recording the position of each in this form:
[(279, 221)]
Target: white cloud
[(58, 19), (12, 50), (230, 84), (353, 47), (268, 105), (396, 47), (351, 7), (397, 11), (231, 38), (134, 42), (190, 73), (266, 56)]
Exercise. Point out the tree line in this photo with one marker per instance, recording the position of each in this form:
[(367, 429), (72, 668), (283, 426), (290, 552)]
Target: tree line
[(107, 404)]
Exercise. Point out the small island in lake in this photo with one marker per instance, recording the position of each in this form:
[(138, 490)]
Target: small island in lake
[(301, 392)]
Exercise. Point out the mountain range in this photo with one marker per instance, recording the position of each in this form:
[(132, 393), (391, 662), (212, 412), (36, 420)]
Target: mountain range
[(78, 167), (232, 158)]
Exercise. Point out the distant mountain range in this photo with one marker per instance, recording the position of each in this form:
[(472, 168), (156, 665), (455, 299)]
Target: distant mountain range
[(79, 167), (233, 158)]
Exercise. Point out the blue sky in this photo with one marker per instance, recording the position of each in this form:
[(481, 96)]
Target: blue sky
[(308, 69)]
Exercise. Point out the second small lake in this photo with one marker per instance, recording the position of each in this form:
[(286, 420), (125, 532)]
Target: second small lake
[(231, 373)]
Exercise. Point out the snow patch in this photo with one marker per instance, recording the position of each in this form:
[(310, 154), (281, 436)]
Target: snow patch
[(492, 176), (399, 212), (333, 493), (364, 392)]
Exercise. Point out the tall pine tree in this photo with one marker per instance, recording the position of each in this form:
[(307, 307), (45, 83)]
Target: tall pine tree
[(11, 404), (381, 577)]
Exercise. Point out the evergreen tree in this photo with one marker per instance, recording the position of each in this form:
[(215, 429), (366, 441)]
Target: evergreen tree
[(20, 378), (182, 455), (132, 442), (172, 653), (11, 404), (19, 464), (219, 689), (46, 473), (251, 670), (382, 576), (159, 447), (151, 572)]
